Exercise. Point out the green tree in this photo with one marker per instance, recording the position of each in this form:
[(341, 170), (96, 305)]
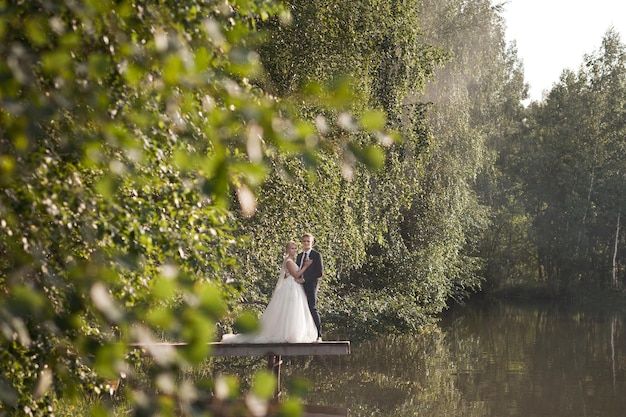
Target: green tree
[(132, 136), (474, 100), (566, 163), (347, 207)]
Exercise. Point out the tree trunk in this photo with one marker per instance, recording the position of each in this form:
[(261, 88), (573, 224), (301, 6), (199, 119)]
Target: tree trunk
[(613, 331), (615, 250)]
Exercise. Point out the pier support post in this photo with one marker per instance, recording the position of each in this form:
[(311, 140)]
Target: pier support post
[(273, 365)]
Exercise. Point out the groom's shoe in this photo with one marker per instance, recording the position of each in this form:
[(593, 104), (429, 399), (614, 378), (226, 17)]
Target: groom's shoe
[(319, 339)]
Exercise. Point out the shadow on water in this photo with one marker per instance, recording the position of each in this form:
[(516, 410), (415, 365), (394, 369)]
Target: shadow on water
[(485, 359)]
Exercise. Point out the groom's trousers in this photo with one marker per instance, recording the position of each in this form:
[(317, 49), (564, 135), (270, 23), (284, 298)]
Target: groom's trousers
[(311, 298)]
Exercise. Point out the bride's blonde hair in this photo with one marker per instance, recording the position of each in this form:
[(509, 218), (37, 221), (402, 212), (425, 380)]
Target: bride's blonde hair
[(287, 247)]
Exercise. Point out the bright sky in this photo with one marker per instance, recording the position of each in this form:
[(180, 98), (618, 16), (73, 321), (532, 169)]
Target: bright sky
[(553, 35)]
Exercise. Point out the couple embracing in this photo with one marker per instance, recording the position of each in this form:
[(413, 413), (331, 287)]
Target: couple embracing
[(291, 315)]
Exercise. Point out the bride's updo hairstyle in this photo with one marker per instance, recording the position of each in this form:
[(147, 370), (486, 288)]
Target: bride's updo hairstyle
[(287, 247)]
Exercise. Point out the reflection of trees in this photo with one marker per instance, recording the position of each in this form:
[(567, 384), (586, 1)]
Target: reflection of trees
[(541, 361), (497, 361), (394, 375)]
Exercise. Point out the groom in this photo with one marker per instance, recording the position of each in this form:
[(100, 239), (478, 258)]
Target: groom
[(310, 278)]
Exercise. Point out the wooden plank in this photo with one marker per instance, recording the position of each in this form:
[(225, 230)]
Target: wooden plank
[(280, 349), (265, 349)]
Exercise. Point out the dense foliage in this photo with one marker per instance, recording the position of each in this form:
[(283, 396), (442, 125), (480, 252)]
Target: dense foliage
[(401, 241), (156, 156), (352, 211), (561, 217), (131, 133)]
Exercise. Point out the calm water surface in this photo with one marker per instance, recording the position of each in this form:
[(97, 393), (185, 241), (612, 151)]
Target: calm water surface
[(496, 360)]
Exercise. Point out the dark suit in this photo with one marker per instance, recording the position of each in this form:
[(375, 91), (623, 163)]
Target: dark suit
[(311, 284)]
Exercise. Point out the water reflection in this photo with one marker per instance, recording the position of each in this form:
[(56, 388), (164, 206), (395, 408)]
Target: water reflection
[(488, 360)]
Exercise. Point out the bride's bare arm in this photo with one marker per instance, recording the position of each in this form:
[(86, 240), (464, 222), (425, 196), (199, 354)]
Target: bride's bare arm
[(295, 271)]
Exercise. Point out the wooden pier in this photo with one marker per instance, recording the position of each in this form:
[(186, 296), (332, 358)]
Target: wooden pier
[(280, 349)]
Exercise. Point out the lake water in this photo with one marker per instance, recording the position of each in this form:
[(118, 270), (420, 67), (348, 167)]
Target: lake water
[(484, 360)]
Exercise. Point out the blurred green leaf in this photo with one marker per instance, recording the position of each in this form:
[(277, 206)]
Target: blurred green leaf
[(374, 157), (98, 410), (173, 68), (264, 384), (133, 74), (57, 62), (373, 120), (246, 323), (98, 65), (3, 29), (210, 299), (27, 301), (163, 287), (108, 359), (36, 30), (160, 317), (290, 408)]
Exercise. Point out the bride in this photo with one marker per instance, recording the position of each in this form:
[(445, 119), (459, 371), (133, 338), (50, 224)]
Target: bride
[(287, 317)]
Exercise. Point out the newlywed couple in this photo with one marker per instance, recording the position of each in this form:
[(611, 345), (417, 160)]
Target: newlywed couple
[(291, 315)]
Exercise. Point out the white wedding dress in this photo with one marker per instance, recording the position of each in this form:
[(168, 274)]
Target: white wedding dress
[(286, 318)]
